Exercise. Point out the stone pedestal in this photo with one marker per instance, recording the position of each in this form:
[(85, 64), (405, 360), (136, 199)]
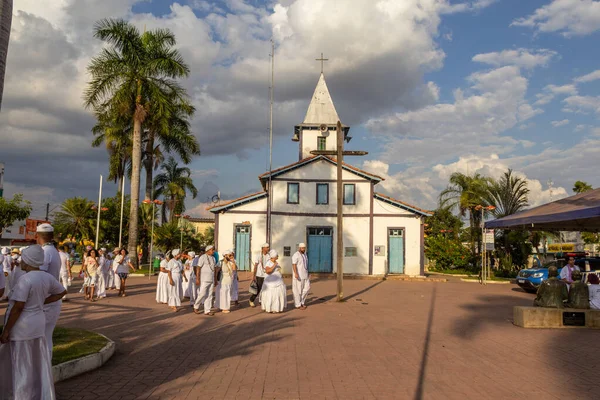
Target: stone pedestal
[(539, 317)]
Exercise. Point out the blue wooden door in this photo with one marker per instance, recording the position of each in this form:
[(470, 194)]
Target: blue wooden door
[(320, 249), (242, 247), (396, 251)]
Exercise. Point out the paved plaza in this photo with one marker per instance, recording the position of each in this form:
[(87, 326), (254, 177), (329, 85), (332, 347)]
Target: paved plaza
[(390, 340)]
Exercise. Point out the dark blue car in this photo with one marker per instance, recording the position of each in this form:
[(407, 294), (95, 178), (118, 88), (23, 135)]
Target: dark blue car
[(531, 278)]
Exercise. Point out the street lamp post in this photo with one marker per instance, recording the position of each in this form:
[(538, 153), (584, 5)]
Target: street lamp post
[(483, 242), (181, 216), (340, 153), (157, 203)]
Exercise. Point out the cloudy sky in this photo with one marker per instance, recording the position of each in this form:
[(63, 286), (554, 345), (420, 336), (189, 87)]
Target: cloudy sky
[(429, 87)]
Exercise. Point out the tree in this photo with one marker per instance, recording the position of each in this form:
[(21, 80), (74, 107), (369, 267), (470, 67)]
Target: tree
[(465, 193), (110, 220), (443, 245), (115, 131), (76, 218), (169, 236), (14, 210), (581, 186), (173, 183), (135, 75), (145, 226), (509, 194)]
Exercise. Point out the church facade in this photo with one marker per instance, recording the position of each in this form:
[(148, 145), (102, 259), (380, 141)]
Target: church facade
[(382, 235)]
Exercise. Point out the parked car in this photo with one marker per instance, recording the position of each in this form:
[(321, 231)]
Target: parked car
[(530, 279)]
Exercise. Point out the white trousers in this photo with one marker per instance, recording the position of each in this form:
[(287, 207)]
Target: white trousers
[(117, 281), (300, 288), (234, 287), (51, 312), (205, 295), (110, 279), (192, 289), (101, 285), (64, 280)]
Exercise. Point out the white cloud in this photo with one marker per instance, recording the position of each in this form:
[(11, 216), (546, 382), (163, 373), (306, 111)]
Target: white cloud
[(520, 57), (567, 17), (563, 122), (467, 6), (580, 128), (592, 76), (564, 89), (582, 104)]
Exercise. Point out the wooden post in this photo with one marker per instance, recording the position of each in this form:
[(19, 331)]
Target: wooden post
[(340, 215)]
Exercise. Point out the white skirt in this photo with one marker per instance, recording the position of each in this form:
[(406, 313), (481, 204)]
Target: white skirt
[(223, 296), (175, 291), (273, 298), (26, 370), (162, 288), (185, 285), (235, 287)]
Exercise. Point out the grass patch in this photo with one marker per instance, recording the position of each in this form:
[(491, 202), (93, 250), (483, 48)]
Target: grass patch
[(454, 271), (70, 344)]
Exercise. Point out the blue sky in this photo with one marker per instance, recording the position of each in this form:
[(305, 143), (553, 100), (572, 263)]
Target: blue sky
[(429, 87)]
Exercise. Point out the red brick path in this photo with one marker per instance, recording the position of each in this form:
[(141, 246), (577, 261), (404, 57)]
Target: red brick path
[(390, 340)]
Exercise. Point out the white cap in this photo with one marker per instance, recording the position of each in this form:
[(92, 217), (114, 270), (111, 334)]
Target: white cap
[(273, 254), (5, 251), (103, 249), (265, 245), (302, 245), (191, 254), (227, 252), (116, 250), (44, 228), (210, 247), (33, 256), (175, 252)]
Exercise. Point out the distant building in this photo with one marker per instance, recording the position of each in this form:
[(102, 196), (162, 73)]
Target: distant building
[(21, 233), (201, 225), (381, 235)]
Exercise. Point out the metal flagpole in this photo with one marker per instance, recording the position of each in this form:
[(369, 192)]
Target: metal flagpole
[(270, 198), (98, 218), (122, 201), (340, 215)]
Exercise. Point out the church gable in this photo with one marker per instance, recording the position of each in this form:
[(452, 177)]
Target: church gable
[(383, 204)]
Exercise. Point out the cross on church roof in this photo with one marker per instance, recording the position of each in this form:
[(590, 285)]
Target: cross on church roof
[(322, 60)]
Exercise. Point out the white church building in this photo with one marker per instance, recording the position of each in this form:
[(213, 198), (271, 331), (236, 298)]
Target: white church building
[(382, 235)]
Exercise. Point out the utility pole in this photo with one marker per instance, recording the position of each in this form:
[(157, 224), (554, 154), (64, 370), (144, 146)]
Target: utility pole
[(270, 194), (340, 153), (47, 211)]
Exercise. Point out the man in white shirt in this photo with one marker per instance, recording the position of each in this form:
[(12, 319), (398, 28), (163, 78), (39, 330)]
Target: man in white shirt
[(300, 280), (51, 265), (205, 281), (566, 273), (6, 270), (258, 272)]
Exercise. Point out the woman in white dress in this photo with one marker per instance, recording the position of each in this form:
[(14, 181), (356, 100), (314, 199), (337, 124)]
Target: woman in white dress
[(175, 270), (123, 268), (235, 284), (187, 272), (162, 285), (223, 291), (273, 293)]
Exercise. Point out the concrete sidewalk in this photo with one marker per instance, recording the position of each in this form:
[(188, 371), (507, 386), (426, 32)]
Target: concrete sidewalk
[(390, 340)]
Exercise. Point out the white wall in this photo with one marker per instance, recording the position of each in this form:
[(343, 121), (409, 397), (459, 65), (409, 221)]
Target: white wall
[(310, 141), (412, 243)]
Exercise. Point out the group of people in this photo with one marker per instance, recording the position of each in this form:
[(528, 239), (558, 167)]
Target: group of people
[(103, 271), (34, 305), (187, 275)]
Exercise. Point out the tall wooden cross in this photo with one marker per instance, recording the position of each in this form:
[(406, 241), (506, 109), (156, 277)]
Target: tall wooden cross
[(322, 60)]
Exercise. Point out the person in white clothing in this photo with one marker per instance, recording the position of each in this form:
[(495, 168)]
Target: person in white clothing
[(162, 284), (65, 269), (187, 259), (51, 265), (227, 267), (101, 285), (192, 288), (116, 282), (6, 271), (205, 281), (258, 272), (174, 271), (594, 291), (300, 279), (273, 298), (566, 272), (16, 272), (25, 359), (2, 277), (123, 267)]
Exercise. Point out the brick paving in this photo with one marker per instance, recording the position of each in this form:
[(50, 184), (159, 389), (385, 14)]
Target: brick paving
[(390, 340)]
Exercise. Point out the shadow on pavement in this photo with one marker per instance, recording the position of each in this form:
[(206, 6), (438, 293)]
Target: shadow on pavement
[(423, 368)]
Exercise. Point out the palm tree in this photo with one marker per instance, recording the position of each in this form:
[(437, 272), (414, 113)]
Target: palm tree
[(6, 7), (465, 193), (76, 219), (174, 183), (134, 76), (581, 186), (508, 194), (173, 136), (145, 225), (115, 133)]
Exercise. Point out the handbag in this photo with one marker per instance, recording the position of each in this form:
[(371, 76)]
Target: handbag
[(253, 288)]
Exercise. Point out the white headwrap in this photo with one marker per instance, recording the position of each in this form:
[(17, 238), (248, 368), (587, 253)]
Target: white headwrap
[(208, 248), (301, 245), (191, 254), (273, 254), (33, 256), (5, 251), (227, 252), (265, 245), (175, 252)]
